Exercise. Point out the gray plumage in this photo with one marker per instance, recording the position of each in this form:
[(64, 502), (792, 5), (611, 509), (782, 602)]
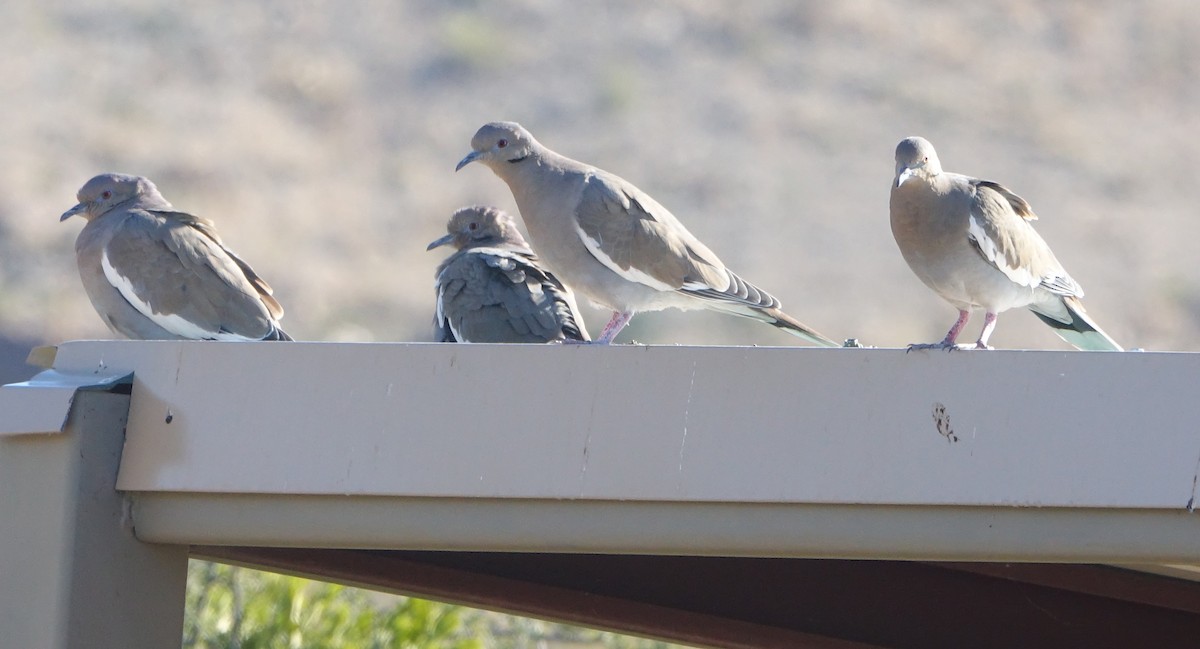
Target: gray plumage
[(493, 288), (152, 272), (614, 243), (973, 243)]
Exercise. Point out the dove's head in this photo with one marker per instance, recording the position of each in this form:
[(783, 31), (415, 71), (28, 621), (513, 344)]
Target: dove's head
[(106, 191), (915, 157), (472, 227), (500, 143)]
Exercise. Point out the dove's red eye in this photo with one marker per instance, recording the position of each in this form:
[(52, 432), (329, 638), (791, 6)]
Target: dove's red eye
[(106, 194), (474, 226), (502, 143)]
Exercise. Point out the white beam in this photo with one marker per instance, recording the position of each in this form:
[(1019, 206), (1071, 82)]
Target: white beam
[(773, 451)]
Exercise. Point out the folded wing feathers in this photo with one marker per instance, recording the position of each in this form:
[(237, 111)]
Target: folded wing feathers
[(1019, 205), (739, 291), (542, 285), (705, 278), (207, 230), (1003, 247), (168, 321), (525, 284), (631, 273), (990, 249), (1063, 285), (447, 290)]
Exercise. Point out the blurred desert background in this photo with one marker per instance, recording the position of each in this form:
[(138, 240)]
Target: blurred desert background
[(321, 137)]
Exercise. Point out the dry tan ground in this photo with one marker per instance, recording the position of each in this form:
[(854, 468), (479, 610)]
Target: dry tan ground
[(322, 137)]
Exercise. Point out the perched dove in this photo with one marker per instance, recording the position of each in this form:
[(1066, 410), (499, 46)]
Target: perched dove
[(493, 290), (611, 241), (154, 273), (971, 241)]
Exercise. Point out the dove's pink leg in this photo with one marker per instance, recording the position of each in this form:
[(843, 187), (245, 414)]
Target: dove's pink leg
[(989, 323), (614, 327), (952, 335)]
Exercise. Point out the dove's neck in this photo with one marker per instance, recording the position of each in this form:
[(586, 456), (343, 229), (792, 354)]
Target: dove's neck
[(150, 201), (537, 183), (547, 188)]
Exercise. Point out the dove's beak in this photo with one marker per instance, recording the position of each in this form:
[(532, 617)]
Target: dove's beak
[(78, 209), (441, 242), (471, 157)]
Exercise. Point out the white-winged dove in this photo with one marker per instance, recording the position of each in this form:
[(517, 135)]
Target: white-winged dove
[(154, 273), (972, 242), (609, 240), (494, 290)]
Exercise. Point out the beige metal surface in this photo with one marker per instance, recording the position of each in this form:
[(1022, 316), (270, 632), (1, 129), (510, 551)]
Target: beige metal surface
[(40, 405), (760, 452), (72, 575), (755, 451), (710, 529), (1030, 456), (1061, 429)]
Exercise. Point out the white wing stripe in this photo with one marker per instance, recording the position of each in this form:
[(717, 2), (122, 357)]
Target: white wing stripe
[(987, 246), (454, 330), (632, 274), (169, 321)]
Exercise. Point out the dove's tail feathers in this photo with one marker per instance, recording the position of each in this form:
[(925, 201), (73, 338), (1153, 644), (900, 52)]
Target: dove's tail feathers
[(1072, 323), (777, 318), (278, 334)]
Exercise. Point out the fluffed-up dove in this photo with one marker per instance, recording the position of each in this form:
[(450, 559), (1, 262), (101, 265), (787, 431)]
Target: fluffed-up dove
[(493, 289), (973, 243), (154, 273), (614, 243)]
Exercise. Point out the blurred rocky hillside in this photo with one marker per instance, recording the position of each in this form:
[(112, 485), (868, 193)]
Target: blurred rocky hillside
[(321, 137)]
